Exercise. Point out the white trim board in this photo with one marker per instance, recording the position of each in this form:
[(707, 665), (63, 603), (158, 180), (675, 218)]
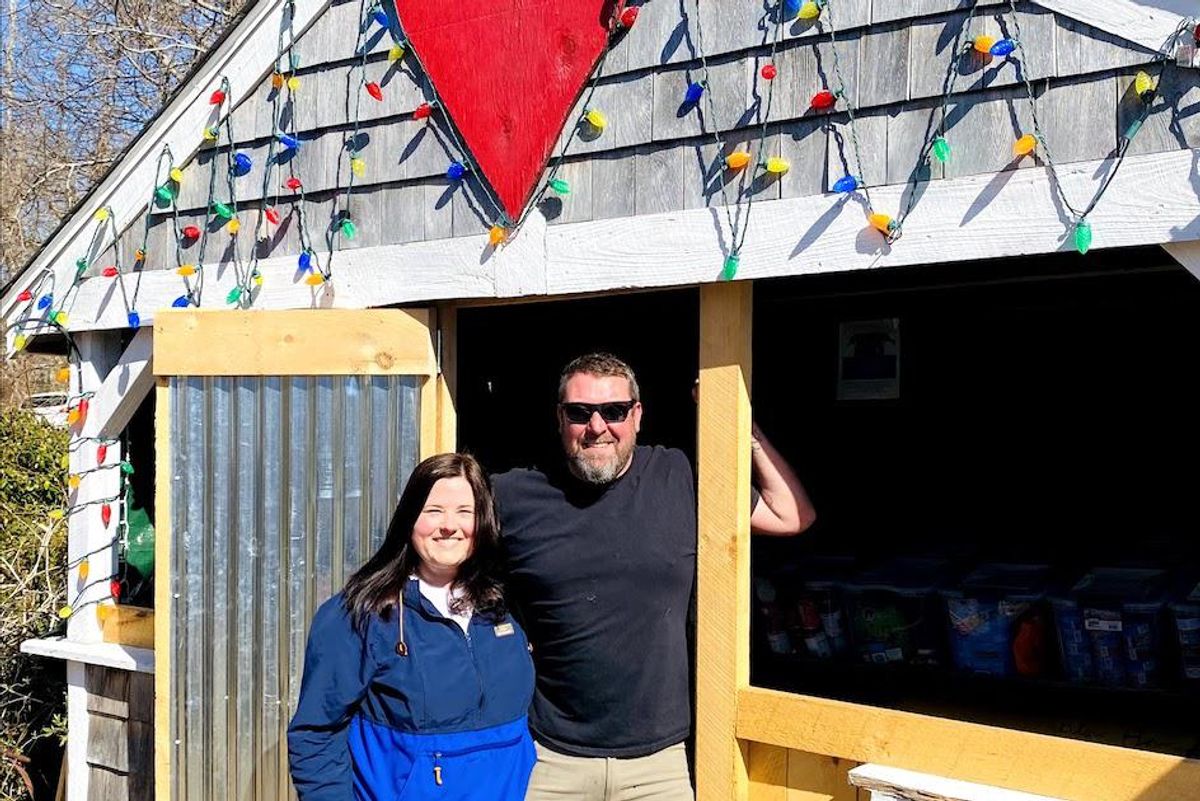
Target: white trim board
[(907, 785), (1145, 22), (245, 57), (1155, 199), (105, 654)]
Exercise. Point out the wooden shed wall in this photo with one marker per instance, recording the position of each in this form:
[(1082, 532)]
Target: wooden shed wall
[(655, 158)]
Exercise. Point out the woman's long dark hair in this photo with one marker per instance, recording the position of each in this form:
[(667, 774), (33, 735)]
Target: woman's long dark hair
[(377, 584)]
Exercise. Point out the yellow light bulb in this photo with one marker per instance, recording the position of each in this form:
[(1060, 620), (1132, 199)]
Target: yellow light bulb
[(315, 279), (20, 341), (358, 166), (1143, 83), (72, 419), (84, 569), (258, 280), (64, 612), (596, 119), (777, 165), (497, 235), (234, 226), (177, 175), (186, 270), (810, 10), (983, 44), (73, 480), (1025, 145), (63, 375), (293, 83), (737, 160), (881, 222), (60, 317), (101, 215), (396, 53)]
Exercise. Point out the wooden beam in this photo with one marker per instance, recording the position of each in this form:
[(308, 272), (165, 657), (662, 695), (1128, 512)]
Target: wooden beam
[(723, 551), (129, 625), (245, 56), (985, 216), (1187, 254), (124, 389), (1145, 22), (164, 580), (315, 342), (447, 379), (1015, 760)]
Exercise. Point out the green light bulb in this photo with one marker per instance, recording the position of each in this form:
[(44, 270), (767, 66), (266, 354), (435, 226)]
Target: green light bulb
[(1083, 236), (560, 186), (941, 149), (731, 267)]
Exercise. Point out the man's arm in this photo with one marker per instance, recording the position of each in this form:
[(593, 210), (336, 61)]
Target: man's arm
[(784, 509)]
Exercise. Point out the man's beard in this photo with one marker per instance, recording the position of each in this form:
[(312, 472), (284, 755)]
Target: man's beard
[(594, 472)]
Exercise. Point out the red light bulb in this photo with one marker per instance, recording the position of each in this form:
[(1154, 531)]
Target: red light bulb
[(769, 72), (216, 98), (114, 588), (109, 272), (273, 216), (374, 91), (824, 99), (101, 453), (106, 515), (25, 295), (293, 183), (191, 232), (628, 17), (423, 111)]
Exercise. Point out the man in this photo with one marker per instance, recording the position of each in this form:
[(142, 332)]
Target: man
[(602, 561)]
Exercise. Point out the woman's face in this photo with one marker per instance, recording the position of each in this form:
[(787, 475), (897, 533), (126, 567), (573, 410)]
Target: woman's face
[(444, 534)]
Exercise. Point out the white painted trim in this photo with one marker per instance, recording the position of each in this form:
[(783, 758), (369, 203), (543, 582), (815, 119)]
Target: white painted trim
[(78, 775), (1146, 22), (903, 785), (1187, 254), (126, 386), (86, 534), (245, 57), (104, 654), (1152, 201)]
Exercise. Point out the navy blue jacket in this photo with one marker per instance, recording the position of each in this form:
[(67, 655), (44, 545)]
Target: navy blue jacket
[(447, 721)]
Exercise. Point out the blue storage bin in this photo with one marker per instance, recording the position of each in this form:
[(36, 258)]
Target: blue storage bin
[(997, 620), (1185, 609), (895, 612), (1117, 612)]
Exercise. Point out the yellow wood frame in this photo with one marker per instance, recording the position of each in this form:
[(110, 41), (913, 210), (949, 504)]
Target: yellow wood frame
[(295, 342)]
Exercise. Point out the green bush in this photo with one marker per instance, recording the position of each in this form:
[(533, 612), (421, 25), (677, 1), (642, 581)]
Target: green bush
[(32, 587)]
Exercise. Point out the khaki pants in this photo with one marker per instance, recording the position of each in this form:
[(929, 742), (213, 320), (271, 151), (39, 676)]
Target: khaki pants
[(661, 776)]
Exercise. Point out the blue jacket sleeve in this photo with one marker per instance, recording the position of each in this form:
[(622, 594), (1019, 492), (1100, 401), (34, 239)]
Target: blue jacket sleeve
[(338, 666)]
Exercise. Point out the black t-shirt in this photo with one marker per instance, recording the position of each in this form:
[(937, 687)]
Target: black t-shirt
[(601, 578)]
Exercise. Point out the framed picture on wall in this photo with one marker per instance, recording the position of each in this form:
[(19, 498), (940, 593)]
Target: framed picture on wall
[(869, 360)]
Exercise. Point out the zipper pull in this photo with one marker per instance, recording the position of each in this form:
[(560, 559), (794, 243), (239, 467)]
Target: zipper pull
[(437, 770)]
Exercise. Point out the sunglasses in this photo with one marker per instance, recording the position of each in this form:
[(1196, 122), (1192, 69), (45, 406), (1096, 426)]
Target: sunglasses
[(613, 412)]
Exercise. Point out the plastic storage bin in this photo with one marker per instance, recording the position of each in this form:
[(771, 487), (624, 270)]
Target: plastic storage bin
[(896, 614), (1109, 627), (1185, 609), (998, 621)]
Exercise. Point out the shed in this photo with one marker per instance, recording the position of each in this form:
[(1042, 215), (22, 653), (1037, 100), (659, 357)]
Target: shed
[(957, 252)]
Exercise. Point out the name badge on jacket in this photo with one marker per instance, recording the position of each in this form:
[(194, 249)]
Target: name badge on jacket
[(504, 630)]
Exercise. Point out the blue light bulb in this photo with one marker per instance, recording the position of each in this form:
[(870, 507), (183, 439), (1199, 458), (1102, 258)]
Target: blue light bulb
[(380, 17), (456, 170), (241, 164), (180, 302), (694, 93), (135, 319), (790, 8), (845, 184), (288, 141), (306, 261), (1004, 47), (44, 302)]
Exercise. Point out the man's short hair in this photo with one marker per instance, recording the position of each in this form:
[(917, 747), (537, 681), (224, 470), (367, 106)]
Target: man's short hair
[(600, 365)]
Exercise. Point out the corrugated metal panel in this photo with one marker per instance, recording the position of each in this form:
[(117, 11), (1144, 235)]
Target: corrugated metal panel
[(281, 488)]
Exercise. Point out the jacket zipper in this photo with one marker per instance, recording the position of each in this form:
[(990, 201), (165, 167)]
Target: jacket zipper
[(437, 755)]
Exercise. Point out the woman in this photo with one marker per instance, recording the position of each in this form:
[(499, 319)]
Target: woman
[(423, 697)]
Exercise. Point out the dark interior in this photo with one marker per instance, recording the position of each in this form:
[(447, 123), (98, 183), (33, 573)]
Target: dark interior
[(1045, 416)]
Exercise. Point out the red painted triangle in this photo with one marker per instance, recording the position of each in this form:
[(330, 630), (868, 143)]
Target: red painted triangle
[(508, 73)]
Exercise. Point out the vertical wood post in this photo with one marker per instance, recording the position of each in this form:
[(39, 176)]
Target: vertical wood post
[(723, 562), (164, 582)]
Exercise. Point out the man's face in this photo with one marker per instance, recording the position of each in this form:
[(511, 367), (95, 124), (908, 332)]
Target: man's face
[(598, 451)]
